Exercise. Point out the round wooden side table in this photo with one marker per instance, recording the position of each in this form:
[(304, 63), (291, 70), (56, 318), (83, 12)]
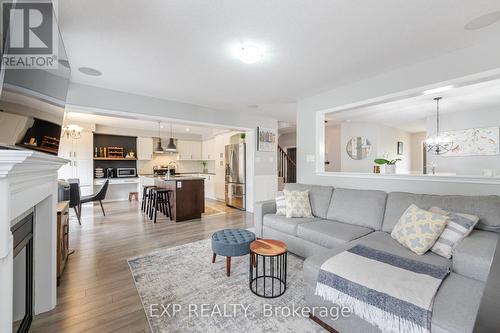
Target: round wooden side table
[(268, 264)]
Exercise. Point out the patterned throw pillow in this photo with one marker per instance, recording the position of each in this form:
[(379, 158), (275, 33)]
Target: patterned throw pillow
[(418, 229), (459, 226), (297, 204), (280, 203)]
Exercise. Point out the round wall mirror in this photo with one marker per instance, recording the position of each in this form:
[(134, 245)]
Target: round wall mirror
[(358, 148)]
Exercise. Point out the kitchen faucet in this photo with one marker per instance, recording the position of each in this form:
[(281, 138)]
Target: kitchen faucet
[(168, 168)]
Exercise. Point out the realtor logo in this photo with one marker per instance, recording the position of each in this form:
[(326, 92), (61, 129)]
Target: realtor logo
[(29, 34)]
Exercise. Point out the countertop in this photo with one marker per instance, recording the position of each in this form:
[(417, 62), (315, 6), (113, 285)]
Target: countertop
[(173, 177), (180, 173)]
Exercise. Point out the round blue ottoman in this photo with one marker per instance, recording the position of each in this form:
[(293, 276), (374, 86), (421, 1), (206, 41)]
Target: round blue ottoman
[(231, 243)]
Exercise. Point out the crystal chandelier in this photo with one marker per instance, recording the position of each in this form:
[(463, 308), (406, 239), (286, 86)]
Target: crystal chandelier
[(72, 131), (438, 144)]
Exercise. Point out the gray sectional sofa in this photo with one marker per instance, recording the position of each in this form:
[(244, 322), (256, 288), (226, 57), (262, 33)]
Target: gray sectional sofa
[(346, 217)]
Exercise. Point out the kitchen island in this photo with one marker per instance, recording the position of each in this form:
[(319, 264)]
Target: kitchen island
[(188, 198)]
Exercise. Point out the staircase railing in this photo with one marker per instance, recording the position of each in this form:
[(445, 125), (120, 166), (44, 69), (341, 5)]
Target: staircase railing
[(287, 168)]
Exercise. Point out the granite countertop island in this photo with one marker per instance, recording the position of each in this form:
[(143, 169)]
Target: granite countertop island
[(187, 200)]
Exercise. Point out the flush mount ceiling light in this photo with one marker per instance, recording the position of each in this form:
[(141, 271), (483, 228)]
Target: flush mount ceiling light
[(253, 106), (437, 90), (89, 71), (483, 21), (250, 53)]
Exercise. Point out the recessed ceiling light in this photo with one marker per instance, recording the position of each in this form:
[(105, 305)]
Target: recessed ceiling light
[(250, 53), (89, 71), (253, 106), (187, 129), (437, 90), (483, 21)]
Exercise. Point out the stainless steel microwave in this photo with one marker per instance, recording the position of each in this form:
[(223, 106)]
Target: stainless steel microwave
[(126, 172)]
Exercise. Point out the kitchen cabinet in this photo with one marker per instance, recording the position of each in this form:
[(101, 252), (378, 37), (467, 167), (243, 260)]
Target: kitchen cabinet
[(144, 149), (189, 150), (209, 186), (208, 149), (79, 152)]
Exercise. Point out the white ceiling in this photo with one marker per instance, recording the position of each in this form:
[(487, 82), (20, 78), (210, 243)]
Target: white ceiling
[(146, 125), (182, 49), (410, 114)]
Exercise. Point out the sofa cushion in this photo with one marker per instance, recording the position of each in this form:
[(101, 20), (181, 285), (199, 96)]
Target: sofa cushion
[(330, 233), (285, 224), (319, 196), (360, 207), (487, 208), (378, 240), (472, 257)]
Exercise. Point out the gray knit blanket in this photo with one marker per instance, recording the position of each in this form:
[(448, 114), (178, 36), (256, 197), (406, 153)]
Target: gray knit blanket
[(393, 293)]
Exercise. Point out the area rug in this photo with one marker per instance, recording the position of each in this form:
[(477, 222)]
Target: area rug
[(182, 291)]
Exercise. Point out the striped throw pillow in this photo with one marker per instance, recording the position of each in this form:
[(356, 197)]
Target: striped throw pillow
[(459, 226), (280, 203)]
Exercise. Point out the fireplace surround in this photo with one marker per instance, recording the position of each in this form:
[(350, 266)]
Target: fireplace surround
[(28, 182), (22, 233)]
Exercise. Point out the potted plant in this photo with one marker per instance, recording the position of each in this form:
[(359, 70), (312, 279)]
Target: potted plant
[(204, 163), (390, 165), (243, 136)]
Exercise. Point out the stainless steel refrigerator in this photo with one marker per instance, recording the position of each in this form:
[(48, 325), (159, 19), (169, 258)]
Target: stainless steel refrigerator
[(235, 175)]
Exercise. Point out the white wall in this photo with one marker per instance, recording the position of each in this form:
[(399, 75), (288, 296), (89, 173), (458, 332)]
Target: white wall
[(333, 148), (263, 166), (388, 146), (401, 82), (417, 152), (384, 141), (466, 165)]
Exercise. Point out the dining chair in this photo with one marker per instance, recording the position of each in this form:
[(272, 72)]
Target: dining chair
[(98, 196), (75, 197)]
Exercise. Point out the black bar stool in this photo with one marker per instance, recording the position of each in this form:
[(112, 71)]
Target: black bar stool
[(145, 196), (160, 202)]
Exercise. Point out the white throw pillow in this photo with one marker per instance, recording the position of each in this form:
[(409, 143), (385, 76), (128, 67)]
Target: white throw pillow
[(459, 226), (280, 203), (297, 204)]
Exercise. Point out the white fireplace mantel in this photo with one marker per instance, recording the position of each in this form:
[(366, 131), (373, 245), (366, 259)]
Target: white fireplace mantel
[(28, 180)]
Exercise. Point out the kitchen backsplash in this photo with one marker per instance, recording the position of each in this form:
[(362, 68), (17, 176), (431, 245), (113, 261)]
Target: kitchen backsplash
[(146, 167)]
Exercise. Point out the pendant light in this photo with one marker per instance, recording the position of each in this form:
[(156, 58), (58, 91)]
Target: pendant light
[(171, 147), (438, 144), (159, 148)]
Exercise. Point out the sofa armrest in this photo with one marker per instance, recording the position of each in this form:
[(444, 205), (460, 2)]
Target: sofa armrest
[(260, 209), (473, 255)]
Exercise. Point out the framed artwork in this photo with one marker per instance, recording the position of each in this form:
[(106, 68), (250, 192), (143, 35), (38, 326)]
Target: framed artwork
[(266, 139), (400, 148), (474, 141)]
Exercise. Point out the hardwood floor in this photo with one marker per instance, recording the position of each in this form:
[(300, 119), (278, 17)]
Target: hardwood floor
[(97, 292)]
